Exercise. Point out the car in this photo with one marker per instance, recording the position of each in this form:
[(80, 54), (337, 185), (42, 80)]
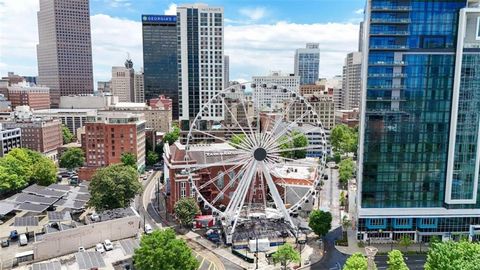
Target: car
[(145, 177), (108, 245), (95, 217), (325, 177), (99, 248), (23, 239), (5, 243), (81, 249), (14, 235), (148, 229)]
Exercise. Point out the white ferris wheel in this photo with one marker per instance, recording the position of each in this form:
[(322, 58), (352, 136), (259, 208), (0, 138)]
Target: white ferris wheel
[(254, 177)]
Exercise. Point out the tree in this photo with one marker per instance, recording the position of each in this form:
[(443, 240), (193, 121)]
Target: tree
[(346, 223), (44, 172), (186, 209), (129, 159), (343, 198), (320, 222), (405, 241), (68, 137), (162, 250), (237, 140), (356, 262), (346, 170), (296, 140), (452, 255), (152, 158), (72, 158), (396, 260), (172, 136), (113, 187), (285, 254), (344, 139)]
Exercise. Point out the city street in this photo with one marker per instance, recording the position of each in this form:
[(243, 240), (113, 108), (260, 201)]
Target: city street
[(414, 261), (329, 198)]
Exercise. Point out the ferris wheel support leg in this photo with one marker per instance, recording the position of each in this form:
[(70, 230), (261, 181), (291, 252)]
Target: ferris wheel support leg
[(229, 211), (276, 196), (251, 175)]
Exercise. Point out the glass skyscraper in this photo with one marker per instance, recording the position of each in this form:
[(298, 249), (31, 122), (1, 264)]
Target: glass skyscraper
[(419, 153), (307, 62), (160, 58)]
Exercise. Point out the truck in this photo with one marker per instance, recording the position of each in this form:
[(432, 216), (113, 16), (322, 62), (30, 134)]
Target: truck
[(23, 239)]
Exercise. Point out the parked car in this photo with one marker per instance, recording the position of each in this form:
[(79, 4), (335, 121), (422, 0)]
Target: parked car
[(99, 248), (148, 229), (23, 239), (13, 235), (81, 249), (95, 217), (5, 243), (145, 177), (108, 245)]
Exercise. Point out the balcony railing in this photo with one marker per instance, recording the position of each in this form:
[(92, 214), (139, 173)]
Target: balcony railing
[(387, 75), (390, 20), (389, 33), (383, 63), (388, 47), (391, 8), (386, 87)]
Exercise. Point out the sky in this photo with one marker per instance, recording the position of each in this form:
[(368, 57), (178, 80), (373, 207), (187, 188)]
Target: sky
[(260, 35)]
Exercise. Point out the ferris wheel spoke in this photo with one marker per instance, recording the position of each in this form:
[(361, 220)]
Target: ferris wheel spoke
[(286, 129), (252, 143), (230, 161), (285, 184), (229, 185), (234, 200), (277, 199), (218, 176), (240, 146), (291, 138), (247, 118)]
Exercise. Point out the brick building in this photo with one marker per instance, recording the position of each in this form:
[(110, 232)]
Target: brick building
[(37, 97), (108, 136), (161, 102)]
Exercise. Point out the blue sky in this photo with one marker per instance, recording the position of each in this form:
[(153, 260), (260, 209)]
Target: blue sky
[(260, 35)]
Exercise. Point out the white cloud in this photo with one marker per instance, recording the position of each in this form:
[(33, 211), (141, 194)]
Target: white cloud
[(359, 11), (253, 14), (172, 9)]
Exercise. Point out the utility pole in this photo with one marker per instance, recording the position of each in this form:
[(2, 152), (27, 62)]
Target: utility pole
[(256, 251)]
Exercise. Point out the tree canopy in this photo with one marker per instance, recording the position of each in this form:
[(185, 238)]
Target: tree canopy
[(356, 262), (452, 255), (162, 250), (405, 241), (320, 222), (114, 187), (237, 140), (72, 158), (294, 140), (129, 159), (344, 139), (152, 158), (346, 170), (68, 137), (285, 254), (172, 136), (21, 167), (186, 209), (396, 260)]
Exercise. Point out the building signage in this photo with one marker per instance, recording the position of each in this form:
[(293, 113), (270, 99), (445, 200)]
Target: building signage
[(159, 18)]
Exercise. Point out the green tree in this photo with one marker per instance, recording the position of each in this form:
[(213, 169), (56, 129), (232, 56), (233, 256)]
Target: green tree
[(294, 140), (114, 187), (320, 222), (396, 260), (172, 136), (356, 262), (285, 254), (68, 137), (186, 209), (237, 140), (129, 159), (452, 255), (44, 172), (152, 158), (405, 241), (162, 250), (346, 170), (344, 139), (72, 158), (343, 198), (159, 149)]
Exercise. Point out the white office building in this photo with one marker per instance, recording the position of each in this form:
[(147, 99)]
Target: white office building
[(266, 97)]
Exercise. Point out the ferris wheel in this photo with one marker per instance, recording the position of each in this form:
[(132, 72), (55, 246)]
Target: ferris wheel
[(261, 168)]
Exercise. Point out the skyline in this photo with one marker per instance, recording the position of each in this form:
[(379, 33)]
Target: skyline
[(116, 31)]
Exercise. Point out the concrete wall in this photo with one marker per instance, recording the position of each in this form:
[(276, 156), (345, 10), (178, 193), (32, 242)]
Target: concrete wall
[(65, 242)]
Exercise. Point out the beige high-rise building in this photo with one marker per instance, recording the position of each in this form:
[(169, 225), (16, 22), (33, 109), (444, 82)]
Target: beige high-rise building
[(64, 51), (322, 104), (352, 81), (139, 87), (123, 82)]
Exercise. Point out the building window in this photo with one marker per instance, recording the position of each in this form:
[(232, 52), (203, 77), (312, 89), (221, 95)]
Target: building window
[(478, 29), (183, 189)]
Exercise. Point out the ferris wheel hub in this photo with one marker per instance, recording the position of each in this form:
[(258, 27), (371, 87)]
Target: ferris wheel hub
[(260, 154)]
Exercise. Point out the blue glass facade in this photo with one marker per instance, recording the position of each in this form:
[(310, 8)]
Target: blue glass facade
[(307, 64), (160, 58)]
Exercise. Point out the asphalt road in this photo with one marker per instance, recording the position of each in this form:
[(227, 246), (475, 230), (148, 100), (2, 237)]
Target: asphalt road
[(332, 258)]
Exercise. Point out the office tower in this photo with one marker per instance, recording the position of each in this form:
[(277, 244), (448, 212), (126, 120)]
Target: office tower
[(200, 58), (419, 148), (307, 62), (64, 51), (360, 37), (267, 98), (123, 82), (104, 87), (351, 83), (226, 71), (160, 58), (139, 87)]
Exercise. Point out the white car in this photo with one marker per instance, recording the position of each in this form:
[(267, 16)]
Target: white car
[(99, 248), (108, 245), (148, 229)]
